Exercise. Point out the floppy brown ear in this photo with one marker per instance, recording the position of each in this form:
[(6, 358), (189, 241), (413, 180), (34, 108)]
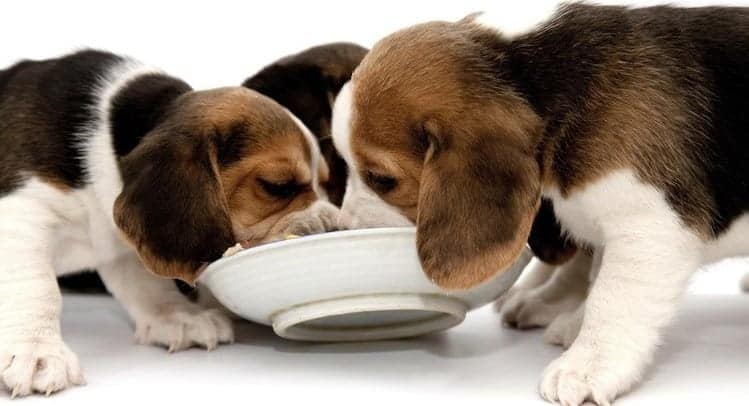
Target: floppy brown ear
[(172, 207), (547, 241), (478, 196)]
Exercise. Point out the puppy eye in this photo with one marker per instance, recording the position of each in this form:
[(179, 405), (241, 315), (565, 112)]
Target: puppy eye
[(283, 190), (379, 182)]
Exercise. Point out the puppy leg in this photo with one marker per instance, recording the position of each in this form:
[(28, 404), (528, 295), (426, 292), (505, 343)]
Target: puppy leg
[(537, 273), (33, 356), (561, 293), (162, 315), (566, 326), (646, 265)]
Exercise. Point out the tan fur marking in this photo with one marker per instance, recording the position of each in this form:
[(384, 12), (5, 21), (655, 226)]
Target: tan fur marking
[(56, 183)]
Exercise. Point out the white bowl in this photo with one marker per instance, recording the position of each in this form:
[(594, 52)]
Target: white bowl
[(345, 286)]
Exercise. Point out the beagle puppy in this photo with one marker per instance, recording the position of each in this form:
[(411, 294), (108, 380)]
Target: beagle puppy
[(631, 122), (307, 83), (113, 165)]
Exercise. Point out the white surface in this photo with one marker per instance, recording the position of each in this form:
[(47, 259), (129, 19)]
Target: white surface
[(295, 285), (705, 360)]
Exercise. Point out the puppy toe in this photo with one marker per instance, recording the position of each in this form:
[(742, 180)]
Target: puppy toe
[(51, 376), (223, 325), (18, 376), (185, 327), (564, 329), (43, 367)]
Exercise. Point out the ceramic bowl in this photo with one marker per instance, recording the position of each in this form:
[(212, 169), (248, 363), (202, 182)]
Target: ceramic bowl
[(345, 286)]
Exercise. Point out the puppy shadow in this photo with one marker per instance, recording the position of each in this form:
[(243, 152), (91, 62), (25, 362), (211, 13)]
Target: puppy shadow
[(449, 344), (704, 321), (397, 362)]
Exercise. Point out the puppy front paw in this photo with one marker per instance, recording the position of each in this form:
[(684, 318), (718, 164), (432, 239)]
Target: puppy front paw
[(586, 375), (538, 307), (565, 327), (526, 309), (181, 327), (318, 218), (499, 304), (38, 366)]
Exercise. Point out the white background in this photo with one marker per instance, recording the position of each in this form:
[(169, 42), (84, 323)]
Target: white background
[(219, 43)]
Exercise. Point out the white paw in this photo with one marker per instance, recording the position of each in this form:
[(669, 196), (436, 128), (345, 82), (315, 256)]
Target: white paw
[(41, 366), (181, 327), (564, 329), (527, 310), (320, 217), (581, 375), (499, 304), (531, 308)]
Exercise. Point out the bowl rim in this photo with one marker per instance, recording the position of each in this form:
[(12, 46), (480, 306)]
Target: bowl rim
[(308, 239), (471, 298)]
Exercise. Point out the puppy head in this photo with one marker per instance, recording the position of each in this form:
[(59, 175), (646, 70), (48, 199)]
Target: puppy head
[(220, 166), (307, 84), (433, 136)]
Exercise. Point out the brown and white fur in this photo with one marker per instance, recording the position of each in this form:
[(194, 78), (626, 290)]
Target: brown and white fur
[(632, 122), (113, 165)]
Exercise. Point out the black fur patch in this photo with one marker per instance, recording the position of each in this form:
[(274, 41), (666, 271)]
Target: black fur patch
[(547, 241), (45, 108), (232, 145), (137, 108), (82, 282)]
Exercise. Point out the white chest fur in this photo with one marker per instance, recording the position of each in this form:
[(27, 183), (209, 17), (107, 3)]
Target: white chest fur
[(90, 238), (71, 246), (89, 241), (69, 225), (620, 203), (616, 205), (84, 237)]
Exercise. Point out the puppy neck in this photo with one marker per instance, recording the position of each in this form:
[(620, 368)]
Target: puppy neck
[(555, 66), (558, 67)]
